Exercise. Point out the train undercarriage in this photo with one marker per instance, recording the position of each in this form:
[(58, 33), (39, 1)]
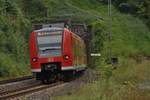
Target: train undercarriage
[(51, 72)]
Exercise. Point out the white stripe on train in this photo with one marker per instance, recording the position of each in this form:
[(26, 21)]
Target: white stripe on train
[(65, 68)]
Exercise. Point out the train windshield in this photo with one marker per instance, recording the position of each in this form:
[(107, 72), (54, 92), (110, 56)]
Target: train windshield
[(50, 43)]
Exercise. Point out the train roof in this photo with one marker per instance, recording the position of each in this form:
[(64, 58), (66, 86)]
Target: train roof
[(49, 29)]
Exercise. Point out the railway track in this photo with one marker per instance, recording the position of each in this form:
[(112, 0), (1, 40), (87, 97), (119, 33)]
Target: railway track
[(25, 90), (30, 88), (16, 80)]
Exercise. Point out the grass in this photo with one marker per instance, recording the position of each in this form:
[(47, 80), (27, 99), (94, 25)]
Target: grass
[(121, 85)]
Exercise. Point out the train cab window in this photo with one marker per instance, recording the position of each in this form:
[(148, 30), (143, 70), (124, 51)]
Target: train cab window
[(49, 43)]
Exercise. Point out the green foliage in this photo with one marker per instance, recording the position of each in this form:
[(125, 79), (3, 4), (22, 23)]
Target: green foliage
[(130, 37), (13, 43), (140, 8), (34, 8), (10, 68)]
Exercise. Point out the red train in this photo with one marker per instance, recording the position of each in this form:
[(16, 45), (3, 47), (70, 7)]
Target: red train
[(56, 52)]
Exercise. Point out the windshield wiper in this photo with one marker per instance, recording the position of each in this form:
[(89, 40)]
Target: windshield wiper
[(50, 49)]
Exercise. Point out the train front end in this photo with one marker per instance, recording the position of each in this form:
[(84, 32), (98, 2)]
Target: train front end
[(47, 54)]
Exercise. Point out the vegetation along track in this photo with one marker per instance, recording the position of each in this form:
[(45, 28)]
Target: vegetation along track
[(25, 90), (16, 80)]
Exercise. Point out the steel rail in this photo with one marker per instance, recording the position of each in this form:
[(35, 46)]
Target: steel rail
[(16, 93), (15, 80)]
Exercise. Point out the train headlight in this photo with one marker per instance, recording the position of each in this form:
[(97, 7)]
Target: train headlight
[(66, 57), (34, 59)]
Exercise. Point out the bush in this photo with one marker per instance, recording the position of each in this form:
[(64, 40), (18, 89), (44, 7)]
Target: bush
[(124, 7)]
